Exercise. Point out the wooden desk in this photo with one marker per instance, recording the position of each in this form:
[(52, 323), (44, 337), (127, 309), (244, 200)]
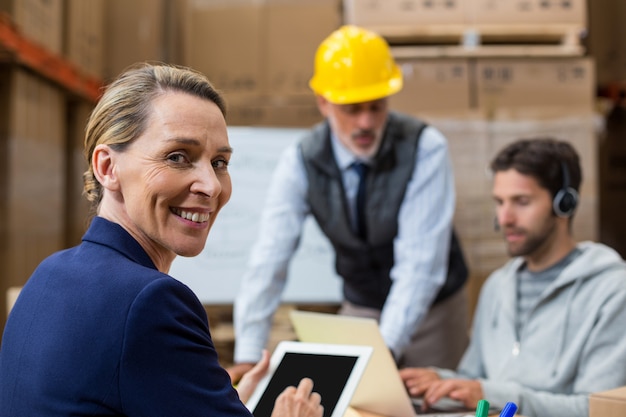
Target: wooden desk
[(352, 412)]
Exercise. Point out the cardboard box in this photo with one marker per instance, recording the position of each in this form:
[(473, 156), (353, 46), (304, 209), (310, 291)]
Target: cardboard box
[(32, 137), (387, 14), (35, 191), (434, 87), (84, 35), (293, 29), (611, 403), (264, 63), (223, 40), (528, 12), (534, 88), (40, 21), (469, 148), (250, 48), (434, 19), (263, 111), (134, 33)]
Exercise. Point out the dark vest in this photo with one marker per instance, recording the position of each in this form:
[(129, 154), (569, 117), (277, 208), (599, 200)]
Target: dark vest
[(365, 265)]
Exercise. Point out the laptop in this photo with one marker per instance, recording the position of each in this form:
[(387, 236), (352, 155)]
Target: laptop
[(335, 370), (381, 389)]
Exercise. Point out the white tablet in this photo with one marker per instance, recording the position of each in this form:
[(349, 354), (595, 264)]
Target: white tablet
[(334, 369)]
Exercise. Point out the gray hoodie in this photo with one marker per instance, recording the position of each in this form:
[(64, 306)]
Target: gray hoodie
[(573, 343)]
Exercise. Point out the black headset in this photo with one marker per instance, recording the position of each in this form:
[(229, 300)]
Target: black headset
[(566, 199)]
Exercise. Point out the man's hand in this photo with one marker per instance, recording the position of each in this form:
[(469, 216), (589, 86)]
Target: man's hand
[(299, 402), (237, 371), (468, 391), (418, 380), (250, 379)]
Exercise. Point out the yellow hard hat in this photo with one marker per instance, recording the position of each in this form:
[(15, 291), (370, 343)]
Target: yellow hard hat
[(354, 65)]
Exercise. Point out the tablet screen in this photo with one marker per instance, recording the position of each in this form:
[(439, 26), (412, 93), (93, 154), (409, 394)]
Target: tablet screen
[(334, 377)]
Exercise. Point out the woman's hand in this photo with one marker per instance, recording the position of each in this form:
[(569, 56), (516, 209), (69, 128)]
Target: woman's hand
[(299, 402), (236, 372), (250, 379)]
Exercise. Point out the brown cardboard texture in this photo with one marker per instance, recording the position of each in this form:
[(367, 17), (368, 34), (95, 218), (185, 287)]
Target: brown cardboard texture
[(535, 87), (293, 31), (403, 13), (433, 87), (134, 33), (223, 40), (501, 12), (611, 403), (84, 35), (39, 21)]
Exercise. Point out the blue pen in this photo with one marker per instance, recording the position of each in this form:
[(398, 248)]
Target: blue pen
[(509, 410), (482, 409)]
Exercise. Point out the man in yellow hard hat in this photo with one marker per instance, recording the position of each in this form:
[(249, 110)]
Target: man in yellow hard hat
[(380, 186)]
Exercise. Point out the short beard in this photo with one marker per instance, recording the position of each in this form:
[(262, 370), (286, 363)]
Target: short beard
[(534, 242)]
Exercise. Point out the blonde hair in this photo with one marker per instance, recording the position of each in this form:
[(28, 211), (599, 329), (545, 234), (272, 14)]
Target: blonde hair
[(122, 112)]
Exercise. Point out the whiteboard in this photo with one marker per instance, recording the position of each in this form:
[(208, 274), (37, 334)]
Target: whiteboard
[(215, 274)]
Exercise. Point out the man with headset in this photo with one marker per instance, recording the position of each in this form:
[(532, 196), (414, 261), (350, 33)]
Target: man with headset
[(381, 188), (549, 325)]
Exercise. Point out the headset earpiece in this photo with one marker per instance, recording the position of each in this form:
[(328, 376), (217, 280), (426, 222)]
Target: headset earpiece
[(565, 202), (566, 199), (496, 224)]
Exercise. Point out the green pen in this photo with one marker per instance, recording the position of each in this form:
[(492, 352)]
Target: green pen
[(482, 409)]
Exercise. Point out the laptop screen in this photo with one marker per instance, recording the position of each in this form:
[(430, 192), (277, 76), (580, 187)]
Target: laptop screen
[(381, 390)]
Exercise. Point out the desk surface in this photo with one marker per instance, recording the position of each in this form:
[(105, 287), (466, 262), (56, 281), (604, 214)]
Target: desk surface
[(352, 412)]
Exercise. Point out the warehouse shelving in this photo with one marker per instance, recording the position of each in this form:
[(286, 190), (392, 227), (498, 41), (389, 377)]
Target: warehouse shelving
[(18, 49)]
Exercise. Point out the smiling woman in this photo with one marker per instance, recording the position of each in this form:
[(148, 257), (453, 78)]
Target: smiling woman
[(167, 186), (165, 169), (102, 329)]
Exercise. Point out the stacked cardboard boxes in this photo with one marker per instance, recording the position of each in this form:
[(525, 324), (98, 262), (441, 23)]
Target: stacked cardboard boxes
[(84, 46), (32, 137), (38, 20), (260, 54), (438, 87), (39, 131), (84, 35), (135, 31), (434, 21)]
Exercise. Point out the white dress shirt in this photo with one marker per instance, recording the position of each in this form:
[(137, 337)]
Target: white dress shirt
[(420, 247)]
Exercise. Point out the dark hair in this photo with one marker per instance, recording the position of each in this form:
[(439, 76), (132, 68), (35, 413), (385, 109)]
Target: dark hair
[(545, 159)]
